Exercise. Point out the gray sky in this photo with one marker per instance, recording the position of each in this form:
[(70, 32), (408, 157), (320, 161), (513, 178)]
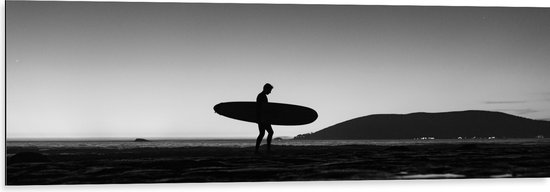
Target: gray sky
[(156, 70)]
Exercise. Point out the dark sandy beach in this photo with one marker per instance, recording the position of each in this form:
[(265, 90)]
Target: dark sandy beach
[(286, 163)]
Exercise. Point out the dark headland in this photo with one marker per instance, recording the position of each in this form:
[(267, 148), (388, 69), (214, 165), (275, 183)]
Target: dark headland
[(445, 125)]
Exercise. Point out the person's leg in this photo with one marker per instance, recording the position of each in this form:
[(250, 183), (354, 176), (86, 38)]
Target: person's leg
[(269, 136), (260, 137)]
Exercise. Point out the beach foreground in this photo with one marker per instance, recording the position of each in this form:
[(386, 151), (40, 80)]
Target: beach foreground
[(285, 163)]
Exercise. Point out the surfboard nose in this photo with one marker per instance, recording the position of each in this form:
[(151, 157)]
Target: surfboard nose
[(217, 107)]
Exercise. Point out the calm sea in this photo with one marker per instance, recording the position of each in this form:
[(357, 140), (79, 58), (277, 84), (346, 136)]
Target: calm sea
[(121, 144)]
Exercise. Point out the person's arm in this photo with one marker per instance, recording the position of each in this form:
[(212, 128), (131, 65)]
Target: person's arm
[(261, 102), (258, 109)]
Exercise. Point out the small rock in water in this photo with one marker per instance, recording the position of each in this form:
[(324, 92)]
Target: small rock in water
[(28, 157), (141, 140)]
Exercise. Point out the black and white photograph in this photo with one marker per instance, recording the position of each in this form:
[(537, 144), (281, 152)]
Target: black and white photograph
[(196, 92)]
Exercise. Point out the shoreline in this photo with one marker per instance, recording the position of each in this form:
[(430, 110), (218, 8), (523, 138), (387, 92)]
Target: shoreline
[(285, 163), (129, 144)]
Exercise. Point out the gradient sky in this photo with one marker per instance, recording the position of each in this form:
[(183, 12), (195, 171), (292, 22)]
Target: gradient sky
[(156, 70)]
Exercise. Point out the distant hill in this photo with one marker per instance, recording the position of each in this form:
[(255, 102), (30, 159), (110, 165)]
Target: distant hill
[(446, 125)]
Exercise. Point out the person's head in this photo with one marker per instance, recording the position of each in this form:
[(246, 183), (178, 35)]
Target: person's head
[(267, 88)]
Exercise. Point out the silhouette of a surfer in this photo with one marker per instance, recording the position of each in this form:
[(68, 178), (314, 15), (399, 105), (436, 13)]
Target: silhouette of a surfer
[(263, 124)]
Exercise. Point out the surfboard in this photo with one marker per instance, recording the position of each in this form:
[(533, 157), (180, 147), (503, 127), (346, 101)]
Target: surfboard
[(274, 113)]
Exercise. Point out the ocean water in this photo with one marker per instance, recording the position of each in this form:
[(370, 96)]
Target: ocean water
[(241, 143)]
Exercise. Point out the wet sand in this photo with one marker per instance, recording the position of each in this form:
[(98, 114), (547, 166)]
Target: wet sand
[(285, 163)]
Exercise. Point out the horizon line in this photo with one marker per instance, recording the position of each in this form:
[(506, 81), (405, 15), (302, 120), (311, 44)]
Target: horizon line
[(129, 138)]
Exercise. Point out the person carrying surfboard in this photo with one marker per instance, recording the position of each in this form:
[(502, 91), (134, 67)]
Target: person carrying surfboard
[(263, 124)]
